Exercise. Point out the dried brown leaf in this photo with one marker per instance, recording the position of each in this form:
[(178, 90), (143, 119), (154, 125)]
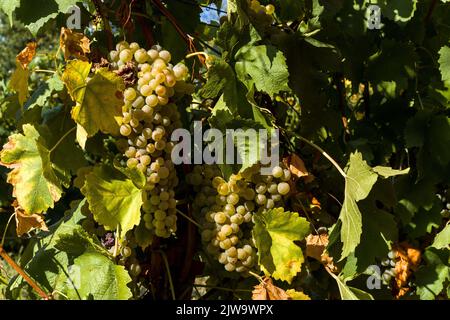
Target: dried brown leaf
[(298, 168), (27, 54), (74, 44), (315, 248), (25, 222), (268, 291)]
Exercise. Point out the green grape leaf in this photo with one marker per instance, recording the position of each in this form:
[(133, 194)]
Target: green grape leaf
[(36, 185), (275, 232), (358, 183), (444, 63), (8, 7), (113, 199), (399, 11), (266, 67), (143, 236), (74, 264), (387, 172), (442, 239), (19, 82), (96, 277), (98, 101), (44, 92), (35, 16), (350, 293), (430, 278)]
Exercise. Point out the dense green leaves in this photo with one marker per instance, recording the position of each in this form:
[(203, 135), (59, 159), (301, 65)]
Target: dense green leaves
[(266, 67), (275, 232)]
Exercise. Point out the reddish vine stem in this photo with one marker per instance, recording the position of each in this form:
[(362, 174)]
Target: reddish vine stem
[(430, 10), (180, 31), (20, 271)]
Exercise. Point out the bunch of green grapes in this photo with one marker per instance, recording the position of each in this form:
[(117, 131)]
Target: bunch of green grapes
[(258, 8), (227, 209), (149, 118)]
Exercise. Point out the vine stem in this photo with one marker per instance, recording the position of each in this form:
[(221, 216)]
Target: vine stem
[(221, 288), (190, 219), (326, 155), (44, 70), (61, 139), (20, 271), (257, 276), (6, 229), (166, 263)]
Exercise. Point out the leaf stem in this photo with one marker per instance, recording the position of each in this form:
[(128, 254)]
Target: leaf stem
[(166, 263), (61, 139), (190, 219), (6, 229), (20, 271), (44, 70), (326, 155)]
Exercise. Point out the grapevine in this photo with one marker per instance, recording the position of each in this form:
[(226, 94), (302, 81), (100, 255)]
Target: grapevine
[(239, 149)]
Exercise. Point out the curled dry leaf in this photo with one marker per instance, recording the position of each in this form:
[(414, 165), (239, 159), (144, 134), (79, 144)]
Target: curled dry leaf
[(298, 168), (74, 44), (408, 260), (26, 222), (315, 248), (27, 54), (266, 290)]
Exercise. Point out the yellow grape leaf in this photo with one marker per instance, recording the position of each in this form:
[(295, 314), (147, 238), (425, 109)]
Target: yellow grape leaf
[(19, 82), (113, 199), (74, 44), (98, 100), (297, 295), (275, 232), (25, 223), (35, 183)]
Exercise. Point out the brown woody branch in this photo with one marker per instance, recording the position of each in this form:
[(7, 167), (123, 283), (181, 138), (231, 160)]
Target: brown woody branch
[(20, 271)]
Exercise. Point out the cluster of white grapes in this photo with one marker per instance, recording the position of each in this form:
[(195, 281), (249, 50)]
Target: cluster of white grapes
[(227, 209), (388, 264), (443, 197), (260, 9), (149, 117)]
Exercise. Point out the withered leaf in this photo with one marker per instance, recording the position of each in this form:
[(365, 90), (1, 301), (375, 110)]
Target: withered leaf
[(26, 222), (268, 291), (315, 248), (298, 168), (74, 44), (27, 54)]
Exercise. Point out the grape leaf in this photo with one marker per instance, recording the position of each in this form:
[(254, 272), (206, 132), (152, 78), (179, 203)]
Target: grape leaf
[(25, 222), (265, 65), (358, 183), (444, 63), (442, 239), (98, 101), (97, 277), (36, 185), (430, 277), (84, 271), (113, 199), (8, 7), (41, 95), (74, 44), (275, 232), (34, 17), (19, 82), (350, 293)]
